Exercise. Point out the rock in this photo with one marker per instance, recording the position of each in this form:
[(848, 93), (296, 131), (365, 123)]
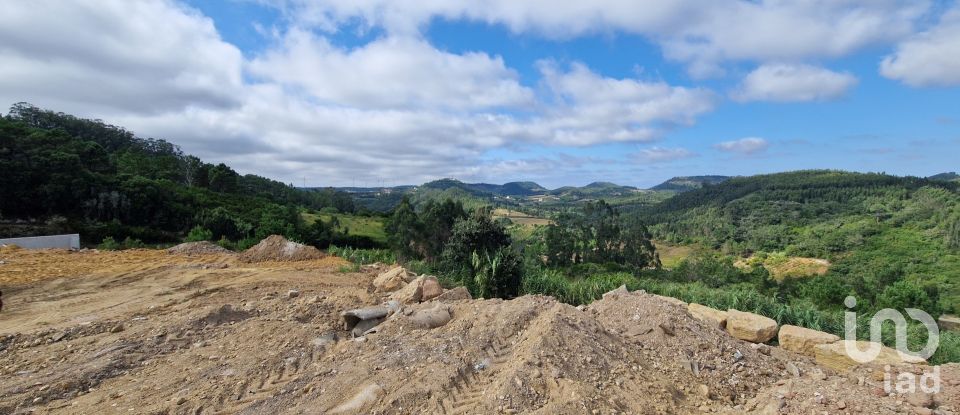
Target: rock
[(391, 280), (841, 405), (431, 318), (949, 322), (802, 340), (835, 356), (793, 369), (367, 395), (761, 348), (920, 399), (59, 336), (671, 300), (293, 294), (621, 290), (412, 293), (704, 391), (431, 288), (455, 294), (365, 327), (708, 315), (179, 400), (118, 328), (750, 327)]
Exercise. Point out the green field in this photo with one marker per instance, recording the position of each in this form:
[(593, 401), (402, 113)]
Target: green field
[(369, 226)]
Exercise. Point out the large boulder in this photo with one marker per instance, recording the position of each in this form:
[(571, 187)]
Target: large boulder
[(431, 288), (431, 318), (948, 322), (708, 315), (835, 356), (455, 294), (750, 327), (412, 293), (802, 340), (392, 280)]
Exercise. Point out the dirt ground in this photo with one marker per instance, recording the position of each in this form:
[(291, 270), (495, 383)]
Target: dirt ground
[(147, 332)]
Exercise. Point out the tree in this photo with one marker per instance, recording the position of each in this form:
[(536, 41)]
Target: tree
[(437, 225), (404, 230), (479, 253)]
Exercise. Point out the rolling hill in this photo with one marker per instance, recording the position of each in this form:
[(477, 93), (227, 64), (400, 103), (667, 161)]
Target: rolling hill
[(685, 183), (876, 229)]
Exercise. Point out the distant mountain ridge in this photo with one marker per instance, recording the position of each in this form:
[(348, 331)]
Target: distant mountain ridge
[(685, 183), (946, 177)]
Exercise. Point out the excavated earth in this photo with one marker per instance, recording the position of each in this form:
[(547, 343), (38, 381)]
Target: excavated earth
[(142, 332)]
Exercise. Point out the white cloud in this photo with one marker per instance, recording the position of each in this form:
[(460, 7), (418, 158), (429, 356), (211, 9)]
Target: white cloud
[(701, 33), (392, 72), (930, 58), (745, 146), (662, 154), (135, 56), (793, 83), (394, 108)]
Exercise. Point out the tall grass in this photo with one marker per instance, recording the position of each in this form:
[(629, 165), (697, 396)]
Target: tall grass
[(363, 256), (743, 297)]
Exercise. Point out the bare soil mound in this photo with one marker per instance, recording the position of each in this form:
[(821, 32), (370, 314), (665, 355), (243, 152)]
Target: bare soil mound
[(278, 248), (198, 248)]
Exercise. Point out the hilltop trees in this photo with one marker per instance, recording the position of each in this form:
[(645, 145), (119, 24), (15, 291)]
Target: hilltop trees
[(105, 181), (598, 234)]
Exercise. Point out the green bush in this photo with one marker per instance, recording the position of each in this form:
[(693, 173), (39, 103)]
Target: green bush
[(199, 233), (109, 244)]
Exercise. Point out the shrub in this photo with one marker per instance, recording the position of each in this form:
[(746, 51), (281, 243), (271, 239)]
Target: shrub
[(199, 233), (109, 244)]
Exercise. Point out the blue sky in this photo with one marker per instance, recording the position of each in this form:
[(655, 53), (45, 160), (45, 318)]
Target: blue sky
[(400, 92)]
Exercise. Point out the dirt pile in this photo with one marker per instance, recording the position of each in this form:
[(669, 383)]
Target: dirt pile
[(278, 248), (179, 338), (198, 248)]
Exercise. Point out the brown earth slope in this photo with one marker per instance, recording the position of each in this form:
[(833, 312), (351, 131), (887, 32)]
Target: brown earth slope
[(144, 332)]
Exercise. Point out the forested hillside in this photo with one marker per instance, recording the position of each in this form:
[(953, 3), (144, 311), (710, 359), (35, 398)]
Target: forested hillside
[(888, 237), (67, 174)]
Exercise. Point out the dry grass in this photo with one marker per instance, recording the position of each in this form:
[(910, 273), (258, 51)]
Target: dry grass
[(672, 255), (783, 267), (520, 218)]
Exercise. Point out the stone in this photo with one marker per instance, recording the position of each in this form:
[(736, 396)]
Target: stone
[(293, 294), (949, 322), (621, 290), (392, 280), (793, 369), (455, 294), (920, 399), (834, 356), (412, 293), (750, 327), (431, 318), (802, 340), (710, 316), (118, 328), (431, 288)]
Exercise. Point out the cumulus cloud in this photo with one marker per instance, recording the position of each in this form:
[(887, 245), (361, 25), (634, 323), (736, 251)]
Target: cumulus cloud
[(134, 56), (744, 146), (930, 58), (663, 154), (793, 83), (395, 107), (392, 72), (701, 33)]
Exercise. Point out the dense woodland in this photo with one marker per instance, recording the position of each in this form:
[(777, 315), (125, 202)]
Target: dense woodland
[(68, 174)]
